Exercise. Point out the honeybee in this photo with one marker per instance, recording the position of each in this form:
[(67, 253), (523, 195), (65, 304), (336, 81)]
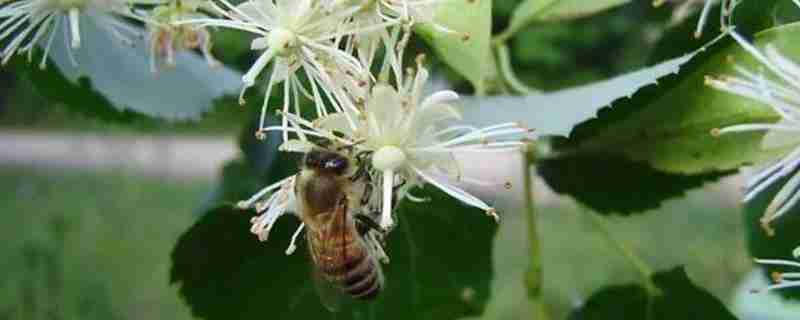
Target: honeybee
[(332, 191)]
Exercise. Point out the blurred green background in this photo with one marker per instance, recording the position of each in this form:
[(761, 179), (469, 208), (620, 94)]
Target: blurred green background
[(91, 241)]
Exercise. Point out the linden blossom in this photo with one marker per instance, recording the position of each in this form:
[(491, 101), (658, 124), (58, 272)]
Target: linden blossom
[(781, 94), (166, 38), (783, 280), (34, 22), (294, 35), (410, 143), (408, 138)]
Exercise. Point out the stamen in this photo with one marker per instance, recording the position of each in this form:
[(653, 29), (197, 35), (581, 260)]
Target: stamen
[(249, 202), (703, 17), (292, 247), (74, 26), (249, 78)]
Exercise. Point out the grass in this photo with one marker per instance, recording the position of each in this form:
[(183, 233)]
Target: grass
[(87, 246)]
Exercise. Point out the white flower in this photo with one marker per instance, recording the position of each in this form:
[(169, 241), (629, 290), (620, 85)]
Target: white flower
[(27, 23), (781, 91), (783, 280), (412, 142), (294, 35), (271, 203), (166, 37)]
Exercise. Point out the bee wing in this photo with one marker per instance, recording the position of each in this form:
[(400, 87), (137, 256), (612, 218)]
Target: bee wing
[(335, 231), (330, 296)]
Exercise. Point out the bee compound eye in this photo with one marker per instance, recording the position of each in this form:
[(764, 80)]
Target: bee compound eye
[(338, 164)]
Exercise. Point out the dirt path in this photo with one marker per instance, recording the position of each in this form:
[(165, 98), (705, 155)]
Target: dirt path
[(182, 157)]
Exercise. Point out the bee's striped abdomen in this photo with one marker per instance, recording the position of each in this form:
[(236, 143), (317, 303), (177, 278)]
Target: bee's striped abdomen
[(363, 282), (349, 265)]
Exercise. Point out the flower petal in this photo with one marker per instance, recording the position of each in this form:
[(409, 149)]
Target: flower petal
[(385, 104), (436, 113), (438, 97), (258, 11), (775, 139)]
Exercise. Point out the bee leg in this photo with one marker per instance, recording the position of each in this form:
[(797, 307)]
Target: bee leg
[(395, 190), (360, 173), (361, 160), (365, 224), (399, 185), (367, 193), (377, 242), (362, 156)]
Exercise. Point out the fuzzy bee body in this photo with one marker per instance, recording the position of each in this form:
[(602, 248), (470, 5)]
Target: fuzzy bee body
[(329, 197)]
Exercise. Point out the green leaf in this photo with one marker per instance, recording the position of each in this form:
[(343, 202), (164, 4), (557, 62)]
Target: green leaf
[(531, 11), (556, 113), (122, 75), (621, 187), (678, 298), (440, 257), (467, 50), (785, 240), (79, 97), (668, 125)]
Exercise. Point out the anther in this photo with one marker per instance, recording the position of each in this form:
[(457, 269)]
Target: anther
[(767, 228), (777, 277), (493, 213)]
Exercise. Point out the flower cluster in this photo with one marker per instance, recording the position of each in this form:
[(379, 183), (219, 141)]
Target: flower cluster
[(783, 280), (412, 142), (166, 35), (781, 91), (327, 51), (26, 24)]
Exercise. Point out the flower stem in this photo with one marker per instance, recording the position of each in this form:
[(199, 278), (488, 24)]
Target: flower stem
[(534, 275), (507, 72)]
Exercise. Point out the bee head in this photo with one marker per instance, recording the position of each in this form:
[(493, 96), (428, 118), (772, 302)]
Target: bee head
[(326, 161)]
